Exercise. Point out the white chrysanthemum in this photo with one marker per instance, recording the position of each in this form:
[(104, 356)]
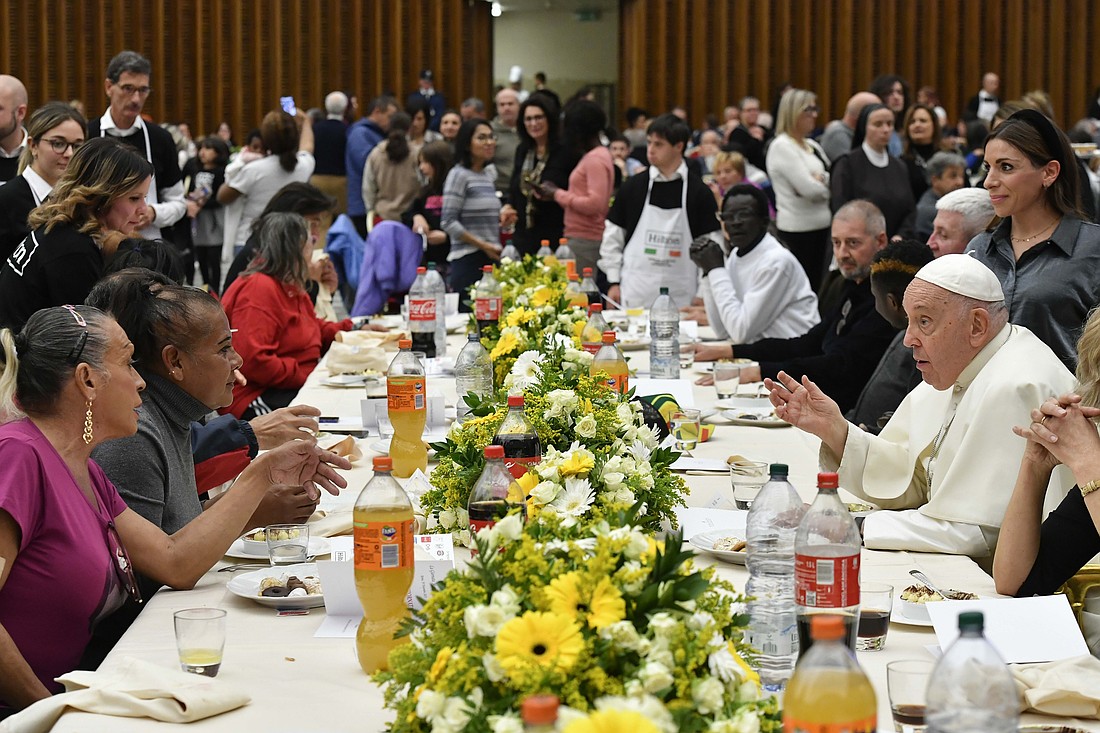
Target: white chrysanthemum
[(663, 625), (556, 546), (576, 498), (544, 493), (724, 666), (699, 620), (507, 599), (505, 724), (640, 452), (708, 694), (623, 634), (562, 403), (494, 670), (586, 427), (485, 620), (655, 677), (649, 707), (430, 704), (555, 340)]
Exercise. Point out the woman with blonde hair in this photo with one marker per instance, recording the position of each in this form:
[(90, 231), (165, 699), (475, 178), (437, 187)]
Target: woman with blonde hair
[(799, 173), (97, 202), (54, 132)]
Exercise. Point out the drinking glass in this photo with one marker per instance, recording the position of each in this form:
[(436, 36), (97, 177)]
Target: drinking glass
[(200, 639), (906, 683), (747, 478), (687, 352), (685, 429), (636, 320), (287, 544), (875, 603), (727, 376)]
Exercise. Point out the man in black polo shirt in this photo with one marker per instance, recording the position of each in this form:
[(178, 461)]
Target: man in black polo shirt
[(127, 88)]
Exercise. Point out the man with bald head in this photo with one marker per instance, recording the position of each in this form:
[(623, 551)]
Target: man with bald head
[(504, 125), (13, 138), (837, 138), (960, 216), (946, 461)]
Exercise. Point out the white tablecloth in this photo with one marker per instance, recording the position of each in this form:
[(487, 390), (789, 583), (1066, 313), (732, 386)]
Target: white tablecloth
[(300, 683)]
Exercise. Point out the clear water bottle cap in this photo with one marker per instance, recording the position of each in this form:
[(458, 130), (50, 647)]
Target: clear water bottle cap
[(473, 337), (494, 451), (664, 290)]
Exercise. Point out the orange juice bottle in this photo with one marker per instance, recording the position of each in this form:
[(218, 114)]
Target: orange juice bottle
[(610, 360), (573, 291), (383, 527), (406, 397)]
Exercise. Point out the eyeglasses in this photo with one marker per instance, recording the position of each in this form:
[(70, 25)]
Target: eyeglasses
[(812, 109), (78, 348), (120, 561), (485, 138), (130, 90), (59, 144), (535, 118)]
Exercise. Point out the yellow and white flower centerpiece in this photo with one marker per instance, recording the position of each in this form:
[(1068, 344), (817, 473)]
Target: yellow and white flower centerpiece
[(625, 631)]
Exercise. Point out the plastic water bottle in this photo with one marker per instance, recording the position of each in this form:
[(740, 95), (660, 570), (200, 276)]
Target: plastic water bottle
[(510, 253), (664, 335), (826, 563), (566, 256), (829, 691), (770, 529), (473, 373), (422, 314), (588, 287), (971, 689), (487, 299), (544, 250), (435, 282)]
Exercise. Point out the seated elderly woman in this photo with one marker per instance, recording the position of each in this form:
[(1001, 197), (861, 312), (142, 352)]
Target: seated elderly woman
[(1036, 556), (66, 536), (278, 335)]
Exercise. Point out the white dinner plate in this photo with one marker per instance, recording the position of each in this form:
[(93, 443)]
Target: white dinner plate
[(317, 546), (634, 344), (345, 380), (704, 541), (743, 401), (754, 418), (247, 585)]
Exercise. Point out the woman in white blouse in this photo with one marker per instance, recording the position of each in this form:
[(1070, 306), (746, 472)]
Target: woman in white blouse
[(799, 174)]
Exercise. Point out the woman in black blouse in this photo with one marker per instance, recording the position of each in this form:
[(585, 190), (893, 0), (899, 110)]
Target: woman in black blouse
[(920, 138)]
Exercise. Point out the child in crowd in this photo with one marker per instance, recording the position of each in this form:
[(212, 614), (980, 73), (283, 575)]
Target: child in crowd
[(203, 175), (947, 171)]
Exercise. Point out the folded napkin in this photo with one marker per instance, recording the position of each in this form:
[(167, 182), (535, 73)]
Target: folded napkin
[(330, 523), (132, 689), (355, 352), (1069, 688)]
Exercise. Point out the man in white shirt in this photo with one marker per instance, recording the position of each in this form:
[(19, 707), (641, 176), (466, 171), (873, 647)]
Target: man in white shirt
[(984, 104), (759, 291), (127, 88), (960, 216), (13, 138), (946, 461)]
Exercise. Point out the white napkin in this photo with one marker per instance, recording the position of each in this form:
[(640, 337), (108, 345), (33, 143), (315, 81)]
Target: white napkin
[(1069, 688), (133, 689)]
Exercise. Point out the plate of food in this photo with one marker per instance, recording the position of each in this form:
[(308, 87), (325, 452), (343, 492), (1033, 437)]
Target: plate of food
[(288, 586), (758, 417), (253, 545), (911, 607), (633, 343), (725, 544)]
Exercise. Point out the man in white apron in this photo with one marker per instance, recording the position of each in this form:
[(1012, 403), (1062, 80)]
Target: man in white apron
[(127, 88), (654, 219)]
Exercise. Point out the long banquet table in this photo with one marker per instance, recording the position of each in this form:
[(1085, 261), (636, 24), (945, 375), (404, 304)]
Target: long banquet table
[(301, 683)]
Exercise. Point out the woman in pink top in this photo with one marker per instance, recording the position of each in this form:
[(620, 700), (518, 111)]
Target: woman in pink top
[(591, 183)]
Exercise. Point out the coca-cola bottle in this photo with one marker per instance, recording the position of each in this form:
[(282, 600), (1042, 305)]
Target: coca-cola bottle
[(487, 299), (489, 502), (422, 314), (826, 563), (592, 335), (518, 436), (588, 287)]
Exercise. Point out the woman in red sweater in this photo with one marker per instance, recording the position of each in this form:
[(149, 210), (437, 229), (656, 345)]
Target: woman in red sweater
[(277, 333)]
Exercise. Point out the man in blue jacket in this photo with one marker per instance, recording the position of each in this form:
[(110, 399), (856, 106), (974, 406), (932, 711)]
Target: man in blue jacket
[(362, 137)]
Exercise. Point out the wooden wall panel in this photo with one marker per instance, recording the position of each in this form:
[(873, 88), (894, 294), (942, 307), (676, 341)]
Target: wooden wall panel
[(231, 60), (704, 54)]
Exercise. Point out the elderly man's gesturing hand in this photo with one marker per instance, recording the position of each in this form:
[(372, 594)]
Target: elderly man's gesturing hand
[(806, 407)]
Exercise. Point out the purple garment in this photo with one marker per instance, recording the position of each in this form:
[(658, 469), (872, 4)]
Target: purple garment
[(62, 581), (390, 259)]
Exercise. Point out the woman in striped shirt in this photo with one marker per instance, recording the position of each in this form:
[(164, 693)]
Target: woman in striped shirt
[(471, 209)]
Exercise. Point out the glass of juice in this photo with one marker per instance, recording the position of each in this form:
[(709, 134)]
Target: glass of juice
[(906, 683), (875, 603), (685, 429), (200, 639)]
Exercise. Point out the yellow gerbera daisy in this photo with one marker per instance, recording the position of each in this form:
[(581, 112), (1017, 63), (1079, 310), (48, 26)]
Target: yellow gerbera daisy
[(602, 607), (539, 640), (577, 463), (505, 346), (542, 296), (440, 664), (612, 721)]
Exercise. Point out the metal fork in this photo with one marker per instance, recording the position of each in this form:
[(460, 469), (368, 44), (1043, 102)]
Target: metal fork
[(242, 565)]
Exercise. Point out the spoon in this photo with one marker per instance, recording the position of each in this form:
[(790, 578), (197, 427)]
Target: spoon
[(928, 582)]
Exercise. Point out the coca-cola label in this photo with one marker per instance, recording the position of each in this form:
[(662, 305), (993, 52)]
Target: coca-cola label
[(476, 525), (518, 466), (826, 582), (421, 309), (487, 309)]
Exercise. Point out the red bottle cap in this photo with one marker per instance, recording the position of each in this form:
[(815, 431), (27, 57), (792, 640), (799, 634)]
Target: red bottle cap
[(486, 268), (383, 463), (494, 451), (574, 276), (540, 709), (515, 400), (826, 627), (609, 337), (587, 272), (595, 308), (828, 481), (421, 270), (545, 242), (562, 241), (404, 343)]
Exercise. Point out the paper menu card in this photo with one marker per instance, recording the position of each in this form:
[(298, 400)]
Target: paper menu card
[(694, 520), (1038, 629)]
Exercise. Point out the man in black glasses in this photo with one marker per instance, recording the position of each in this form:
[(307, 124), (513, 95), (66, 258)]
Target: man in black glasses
[(13, 138), (127, 88)]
